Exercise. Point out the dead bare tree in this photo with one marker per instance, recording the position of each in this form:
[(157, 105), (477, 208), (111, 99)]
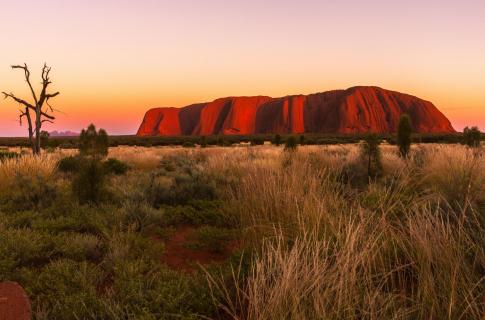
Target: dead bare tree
[(40, 112)]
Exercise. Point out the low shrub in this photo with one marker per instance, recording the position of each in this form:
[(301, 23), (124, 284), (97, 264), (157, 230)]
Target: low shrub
[(115, 166), (69, 164), (88, 185)]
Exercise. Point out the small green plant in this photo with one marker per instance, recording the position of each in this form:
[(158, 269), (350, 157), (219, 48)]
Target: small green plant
[(404, 132), (371, 153), (471, 137), (290, 144)]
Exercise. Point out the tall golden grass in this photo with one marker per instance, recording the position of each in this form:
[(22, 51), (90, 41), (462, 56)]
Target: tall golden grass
[(409, 246)]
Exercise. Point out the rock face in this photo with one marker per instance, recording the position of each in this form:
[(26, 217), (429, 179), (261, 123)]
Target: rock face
[(355, 110), (14, 303)]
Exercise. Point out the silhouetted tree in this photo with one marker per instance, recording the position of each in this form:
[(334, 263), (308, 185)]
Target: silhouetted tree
[(302, 140), (290, 144), (277, 140), (471, 137), (404, 131), (40, 107), (372, 155), (93, 143)]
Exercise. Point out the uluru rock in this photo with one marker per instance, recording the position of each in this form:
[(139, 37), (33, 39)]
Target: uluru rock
[(355, 110)]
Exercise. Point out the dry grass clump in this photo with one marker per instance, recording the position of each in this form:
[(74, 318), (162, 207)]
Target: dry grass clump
[(26, 167)]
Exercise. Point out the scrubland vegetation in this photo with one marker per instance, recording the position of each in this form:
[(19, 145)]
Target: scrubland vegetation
[(249, 232)]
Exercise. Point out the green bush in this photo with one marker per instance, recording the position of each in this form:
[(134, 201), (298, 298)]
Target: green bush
[(211, 238), (404, 132), (188, 144), (66, 289), (5, 154), (93, 143), (371, 155), (69, 164), (115, 166), (290, 144), (257, 141), (89, 183), (471, 137), (277, 140)]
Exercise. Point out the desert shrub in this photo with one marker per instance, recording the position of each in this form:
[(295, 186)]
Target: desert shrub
[(115, 166), (23, 247), (179, 180), (80, 247), (93, 143), (44, 139), (197, 212), (302, 139), (5, 154), (188, 144), (146, 289), (471, 137), (69, 164), (404, 131), (290, 144), (276, 140), (140, 216), (371, 155), (29, 192), (257, 141), (211, 238), (65, 289), (88, 185)]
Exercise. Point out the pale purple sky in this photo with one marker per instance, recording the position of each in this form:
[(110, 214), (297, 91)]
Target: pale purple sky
[(112, 60)]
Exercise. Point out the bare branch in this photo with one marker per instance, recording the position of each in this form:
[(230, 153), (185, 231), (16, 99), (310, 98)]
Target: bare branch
[(28, 105), (27, 78), (21, 101), (46, 120)]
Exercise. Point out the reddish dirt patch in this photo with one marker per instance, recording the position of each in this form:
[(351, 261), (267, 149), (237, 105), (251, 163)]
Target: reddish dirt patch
[(178, 257), (14, 303)]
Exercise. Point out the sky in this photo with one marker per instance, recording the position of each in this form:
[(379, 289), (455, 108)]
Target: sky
[(112, 60)]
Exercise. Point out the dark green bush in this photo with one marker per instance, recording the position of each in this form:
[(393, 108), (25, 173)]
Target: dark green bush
[(404, 132), (188, 144), (371, 155), (471, 137), (93, 143), (5, 154), (211, 238), (69, 164), (277, 140), (290, 144), (89, 183), (257, 141), (115, 166)]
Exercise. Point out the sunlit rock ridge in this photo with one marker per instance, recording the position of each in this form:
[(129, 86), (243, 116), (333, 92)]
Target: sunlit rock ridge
[(355, 110)]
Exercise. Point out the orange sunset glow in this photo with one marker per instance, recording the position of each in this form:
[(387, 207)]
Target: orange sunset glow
[(113, 60)]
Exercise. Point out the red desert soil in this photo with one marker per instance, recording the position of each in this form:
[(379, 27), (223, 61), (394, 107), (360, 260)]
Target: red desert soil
[(178, 257), (355, 110), (14, 303)]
